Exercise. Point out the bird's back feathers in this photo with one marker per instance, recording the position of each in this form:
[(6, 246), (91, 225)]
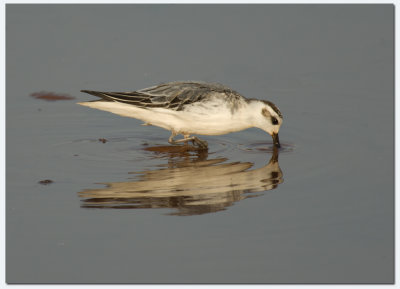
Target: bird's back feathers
[(172, 95)]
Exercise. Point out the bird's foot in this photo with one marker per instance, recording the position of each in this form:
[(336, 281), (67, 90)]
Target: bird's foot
[(202, 144)]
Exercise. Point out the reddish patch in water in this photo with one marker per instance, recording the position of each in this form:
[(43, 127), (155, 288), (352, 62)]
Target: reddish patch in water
[(45, 182), (51, 96), (172, 149)]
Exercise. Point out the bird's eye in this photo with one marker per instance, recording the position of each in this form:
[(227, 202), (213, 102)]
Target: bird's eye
[(274, 120)]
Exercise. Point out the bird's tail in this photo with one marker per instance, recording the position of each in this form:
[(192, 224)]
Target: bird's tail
[(95, 93)]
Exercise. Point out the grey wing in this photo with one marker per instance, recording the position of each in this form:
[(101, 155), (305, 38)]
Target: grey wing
[(172, 95)]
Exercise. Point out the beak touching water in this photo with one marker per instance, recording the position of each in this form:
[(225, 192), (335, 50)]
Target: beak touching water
[(275, 138)]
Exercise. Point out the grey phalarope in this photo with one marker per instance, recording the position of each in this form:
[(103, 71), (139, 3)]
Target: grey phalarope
[(192, 107)]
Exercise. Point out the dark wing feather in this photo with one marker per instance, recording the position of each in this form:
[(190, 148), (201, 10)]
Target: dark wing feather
[(172, 95)]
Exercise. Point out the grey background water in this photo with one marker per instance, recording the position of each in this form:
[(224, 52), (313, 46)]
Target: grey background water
[(329, 68)]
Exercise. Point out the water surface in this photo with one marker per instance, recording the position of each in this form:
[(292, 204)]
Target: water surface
[(122, 206)]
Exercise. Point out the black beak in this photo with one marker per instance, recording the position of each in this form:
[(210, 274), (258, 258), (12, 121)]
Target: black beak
[(275, 138)]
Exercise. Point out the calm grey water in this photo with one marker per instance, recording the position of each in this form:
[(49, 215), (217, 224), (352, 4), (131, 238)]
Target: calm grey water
[(131, 210)]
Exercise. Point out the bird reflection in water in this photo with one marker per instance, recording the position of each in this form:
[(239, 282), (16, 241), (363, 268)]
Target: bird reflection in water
[(192, 186)]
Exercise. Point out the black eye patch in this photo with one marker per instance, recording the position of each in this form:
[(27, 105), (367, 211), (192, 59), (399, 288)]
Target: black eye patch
[(274, 120)]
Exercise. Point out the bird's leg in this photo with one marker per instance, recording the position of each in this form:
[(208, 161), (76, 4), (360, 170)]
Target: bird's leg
[(201, 143), (171, 138), (174, 134), (186, 137), (185, 140)]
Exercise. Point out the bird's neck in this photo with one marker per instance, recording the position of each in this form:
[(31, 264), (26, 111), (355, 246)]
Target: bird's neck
[(246, 114)]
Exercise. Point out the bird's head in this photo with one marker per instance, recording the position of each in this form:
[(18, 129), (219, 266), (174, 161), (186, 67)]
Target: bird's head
[(268, 117)]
